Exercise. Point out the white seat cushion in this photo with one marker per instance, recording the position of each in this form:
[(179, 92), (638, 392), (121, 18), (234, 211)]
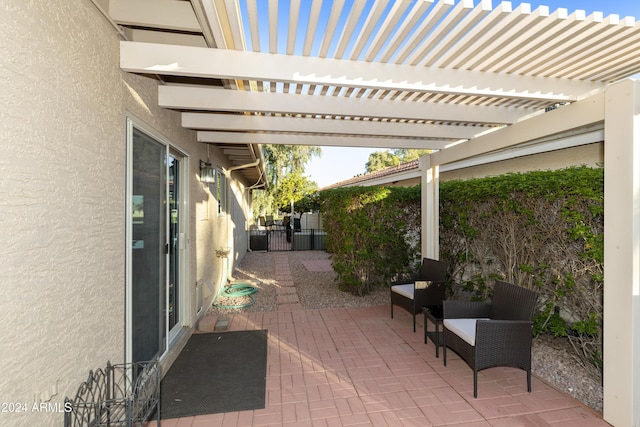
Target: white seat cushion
[(405, 290), (464, 328)]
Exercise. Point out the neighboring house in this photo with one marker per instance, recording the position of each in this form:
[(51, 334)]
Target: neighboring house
[(108, 234), (588, 150), (402, 175)]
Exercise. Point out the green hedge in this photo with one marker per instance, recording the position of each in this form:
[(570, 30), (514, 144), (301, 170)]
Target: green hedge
[(369, 233), (542, 230)]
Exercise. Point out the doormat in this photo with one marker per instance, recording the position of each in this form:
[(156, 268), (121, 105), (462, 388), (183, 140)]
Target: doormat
[(216, 372)]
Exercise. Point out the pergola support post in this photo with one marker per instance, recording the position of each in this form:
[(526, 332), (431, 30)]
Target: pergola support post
[(622, 254), (429, 203)]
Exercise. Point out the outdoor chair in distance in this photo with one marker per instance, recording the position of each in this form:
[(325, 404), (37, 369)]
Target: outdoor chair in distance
[(269, 221), (487, 335), (425, 288)]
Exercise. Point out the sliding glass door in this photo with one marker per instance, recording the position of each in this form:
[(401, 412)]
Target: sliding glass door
[(155, 251)]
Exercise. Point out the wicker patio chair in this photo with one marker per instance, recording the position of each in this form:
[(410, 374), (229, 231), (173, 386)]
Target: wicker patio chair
[(425, 288), (492, 334)]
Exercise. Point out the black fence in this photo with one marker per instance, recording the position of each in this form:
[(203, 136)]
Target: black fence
[(119, 395), (286, 239)]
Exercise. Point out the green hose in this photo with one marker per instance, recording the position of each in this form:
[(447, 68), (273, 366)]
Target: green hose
[(237, 290)]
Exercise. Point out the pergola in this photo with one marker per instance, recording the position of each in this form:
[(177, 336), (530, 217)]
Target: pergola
[(469, 81)]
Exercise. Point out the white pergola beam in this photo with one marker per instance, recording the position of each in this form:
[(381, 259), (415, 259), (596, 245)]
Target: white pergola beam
[(317, 140), (228, 64), (218, 99), (580, 114), (583, 113), (167, 14), (248, 123), (165, 37)]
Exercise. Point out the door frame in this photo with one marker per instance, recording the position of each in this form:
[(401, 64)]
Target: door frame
[(184, 295), (184, 313)]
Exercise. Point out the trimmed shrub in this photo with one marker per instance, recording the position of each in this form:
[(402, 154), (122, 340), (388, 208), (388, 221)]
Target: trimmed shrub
[(372, 233)]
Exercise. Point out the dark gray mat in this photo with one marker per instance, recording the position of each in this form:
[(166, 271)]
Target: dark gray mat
[(217, 372)]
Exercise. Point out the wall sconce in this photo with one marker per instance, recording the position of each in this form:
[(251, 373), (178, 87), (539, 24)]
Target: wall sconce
[(207, 172)]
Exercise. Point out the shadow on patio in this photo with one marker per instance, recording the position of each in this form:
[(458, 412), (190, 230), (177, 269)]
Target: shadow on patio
[(357, 366)]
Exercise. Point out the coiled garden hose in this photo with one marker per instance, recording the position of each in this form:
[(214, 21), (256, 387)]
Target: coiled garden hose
[(237, 290)]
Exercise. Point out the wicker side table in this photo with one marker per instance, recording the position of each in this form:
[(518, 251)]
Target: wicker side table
[(433, 314)]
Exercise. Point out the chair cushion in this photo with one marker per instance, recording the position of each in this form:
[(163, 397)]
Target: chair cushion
[(464, 328), (405, 290)]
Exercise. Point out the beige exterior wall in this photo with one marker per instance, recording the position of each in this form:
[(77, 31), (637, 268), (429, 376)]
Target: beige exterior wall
[(62, 134), (406, 183), (590, 155)]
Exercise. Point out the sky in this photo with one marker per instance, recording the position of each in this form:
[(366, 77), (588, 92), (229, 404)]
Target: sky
[(341, 163)]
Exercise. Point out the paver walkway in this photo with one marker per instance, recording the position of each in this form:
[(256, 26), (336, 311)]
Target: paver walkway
[(359, 367), (287, 298)]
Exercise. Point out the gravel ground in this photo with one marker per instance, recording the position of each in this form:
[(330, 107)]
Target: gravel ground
[(552, 358)]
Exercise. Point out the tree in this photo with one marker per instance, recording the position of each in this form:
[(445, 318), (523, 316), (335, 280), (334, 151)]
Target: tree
[(298, 188), (285, 159), (280, 162), (379, 160)]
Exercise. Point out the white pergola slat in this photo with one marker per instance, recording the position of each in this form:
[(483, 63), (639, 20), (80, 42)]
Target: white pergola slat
[(367, 29), (212, 27), (273, 26), (329, 30), (587, 28), (542, 30), (568, 28), (473, 35), (234, 23), (294, 11), (418, 11), (598, 52), (386, 29), (436, 13), (347, 31), (312, 25), (252, 12), (457, 23)]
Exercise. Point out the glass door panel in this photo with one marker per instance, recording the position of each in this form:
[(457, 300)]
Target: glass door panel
[(175, 243), (149, 247)]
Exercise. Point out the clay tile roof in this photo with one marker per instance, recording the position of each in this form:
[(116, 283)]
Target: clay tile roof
[(392, 170)]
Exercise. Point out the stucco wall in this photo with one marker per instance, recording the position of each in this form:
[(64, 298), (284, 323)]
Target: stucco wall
[(590, 155), (62, 134), (63, 173)]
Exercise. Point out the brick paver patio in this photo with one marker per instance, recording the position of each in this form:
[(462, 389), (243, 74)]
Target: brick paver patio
[(359, 367)]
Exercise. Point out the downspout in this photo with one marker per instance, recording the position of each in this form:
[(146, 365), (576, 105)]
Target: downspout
[(245, 166), (227, 174), (262, 171)]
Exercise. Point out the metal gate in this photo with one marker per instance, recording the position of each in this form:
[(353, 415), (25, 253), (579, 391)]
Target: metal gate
[(286, 239)]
